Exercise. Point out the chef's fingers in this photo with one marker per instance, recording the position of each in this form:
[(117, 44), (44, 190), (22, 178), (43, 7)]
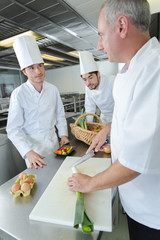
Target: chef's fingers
[(40, 159), (43, 162), (70, 184), (33, 165), (64, 143), (92, 146), (37, 163), (41, 156)]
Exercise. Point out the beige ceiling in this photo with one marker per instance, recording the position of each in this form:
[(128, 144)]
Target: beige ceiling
[(65, 26)]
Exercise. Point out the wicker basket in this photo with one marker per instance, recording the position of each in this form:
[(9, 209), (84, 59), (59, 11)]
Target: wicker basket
[(83, 134)]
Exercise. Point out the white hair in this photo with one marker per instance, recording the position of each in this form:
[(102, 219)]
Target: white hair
[(138, 12)]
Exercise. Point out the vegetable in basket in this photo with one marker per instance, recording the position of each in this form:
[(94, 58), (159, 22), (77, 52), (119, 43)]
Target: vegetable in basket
[(82, 122)]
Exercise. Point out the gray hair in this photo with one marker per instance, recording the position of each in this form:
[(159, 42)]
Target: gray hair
[(138, 12)]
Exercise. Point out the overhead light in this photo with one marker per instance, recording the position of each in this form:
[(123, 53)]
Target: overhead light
[(48, 64), (51, 58), (8, 43), (74, 54)]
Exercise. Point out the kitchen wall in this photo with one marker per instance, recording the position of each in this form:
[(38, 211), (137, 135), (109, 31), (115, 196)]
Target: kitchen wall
[(9, 79), (68, 79)]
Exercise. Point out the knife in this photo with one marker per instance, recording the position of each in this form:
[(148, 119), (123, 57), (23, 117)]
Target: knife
[(88, 155)]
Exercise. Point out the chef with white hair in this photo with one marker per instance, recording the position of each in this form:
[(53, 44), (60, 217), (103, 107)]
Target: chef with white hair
[(36, 109), (98, 92)]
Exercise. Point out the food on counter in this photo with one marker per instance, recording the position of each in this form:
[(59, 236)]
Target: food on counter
[(107, 148), (23, 185), (29, 180), (16, 187), (22, 176), (65, 150), (81, 216)]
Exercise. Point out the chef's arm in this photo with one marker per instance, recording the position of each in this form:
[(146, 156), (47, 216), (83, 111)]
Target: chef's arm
[(15, 126), (61, 122), (90, 106), (100, 138), (115, 175)]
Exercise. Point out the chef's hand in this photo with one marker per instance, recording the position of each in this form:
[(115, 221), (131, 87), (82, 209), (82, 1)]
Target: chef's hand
[(64, 140), (35, 159), (80, 183), (100, 138)]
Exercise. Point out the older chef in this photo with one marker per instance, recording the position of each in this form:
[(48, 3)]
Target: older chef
[(98, 88), (135, 133), (35, 108)]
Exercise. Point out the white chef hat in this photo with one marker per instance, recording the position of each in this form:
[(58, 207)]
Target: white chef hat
[(87, 62), (27, 51)]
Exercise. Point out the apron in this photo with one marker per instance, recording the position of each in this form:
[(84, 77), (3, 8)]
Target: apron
[(43, 143)]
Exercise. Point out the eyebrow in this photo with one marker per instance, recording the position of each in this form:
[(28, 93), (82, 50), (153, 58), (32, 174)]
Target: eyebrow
[(90, 75)]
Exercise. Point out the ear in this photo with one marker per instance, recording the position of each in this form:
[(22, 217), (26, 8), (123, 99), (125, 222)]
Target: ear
[(98, 74), (24, 72), (123, 23)]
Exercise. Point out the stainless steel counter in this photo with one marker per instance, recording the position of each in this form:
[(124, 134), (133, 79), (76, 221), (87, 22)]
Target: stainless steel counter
[(14, 212), (11, 162)]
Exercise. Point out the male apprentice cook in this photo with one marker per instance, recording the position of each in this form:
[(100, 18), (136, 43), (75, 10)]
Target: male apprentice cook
[(98, 88), (35, 108), (123, 28)]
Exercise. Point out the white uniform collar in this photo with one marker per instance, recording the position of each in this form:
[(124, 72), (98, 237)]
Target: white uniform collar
[(32, 87), (142, 51)]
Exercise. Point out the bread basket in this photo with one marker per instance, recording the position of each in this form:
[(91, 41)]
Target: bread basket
[(84, 135)]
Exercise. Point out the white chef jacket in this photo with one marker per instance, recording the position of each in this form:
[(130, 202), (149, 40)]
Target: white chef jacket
[(102, 98), (32, 119), (135, 133)]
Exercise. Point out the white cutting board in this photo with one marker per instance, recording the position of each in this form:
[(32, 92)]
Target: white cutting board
[(57, 204)]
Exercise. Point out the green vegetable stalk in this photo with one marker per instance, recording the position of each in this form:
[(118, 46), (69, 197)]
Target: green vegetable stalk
[(81, 216), (82, 122)]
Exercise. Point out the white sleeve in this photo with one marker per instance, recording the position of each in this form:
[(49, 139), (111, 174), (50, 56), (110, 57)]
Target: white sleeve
[(61, 122), (15, 124), (90, 106), (141, 139)]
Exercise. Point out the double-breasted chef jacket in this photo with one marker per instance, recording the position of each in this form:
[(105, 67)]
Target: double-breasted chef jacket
[(33, 119), (135, 133), (102, 98)]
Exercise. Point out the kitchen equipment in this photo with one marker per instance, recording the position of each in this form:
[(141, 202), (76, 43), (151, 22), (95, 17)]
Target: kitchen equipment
[(57, 204), (88, 155)]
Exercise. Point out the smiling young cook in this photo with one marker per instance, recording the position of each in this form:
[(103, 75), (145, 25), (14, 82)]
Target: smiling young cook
[(98, 91), (35, 108)]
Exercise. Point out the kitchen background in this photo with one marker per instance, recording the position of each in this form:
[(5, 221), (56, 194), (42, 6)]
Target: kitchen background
[(62, 28)]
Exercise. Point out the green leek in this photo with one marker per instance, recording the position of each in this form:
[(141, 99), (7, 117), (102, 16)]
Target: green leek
[(82, 122), (81, 216)]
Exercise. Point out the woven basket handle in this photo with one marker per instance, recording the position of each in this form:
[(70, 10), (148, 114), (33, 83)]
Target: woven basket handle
[(86, 114)]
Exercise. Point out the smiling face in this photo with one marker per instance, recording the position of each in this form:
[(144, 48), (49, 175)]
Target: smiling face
[(91, 80), (35, 73)]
